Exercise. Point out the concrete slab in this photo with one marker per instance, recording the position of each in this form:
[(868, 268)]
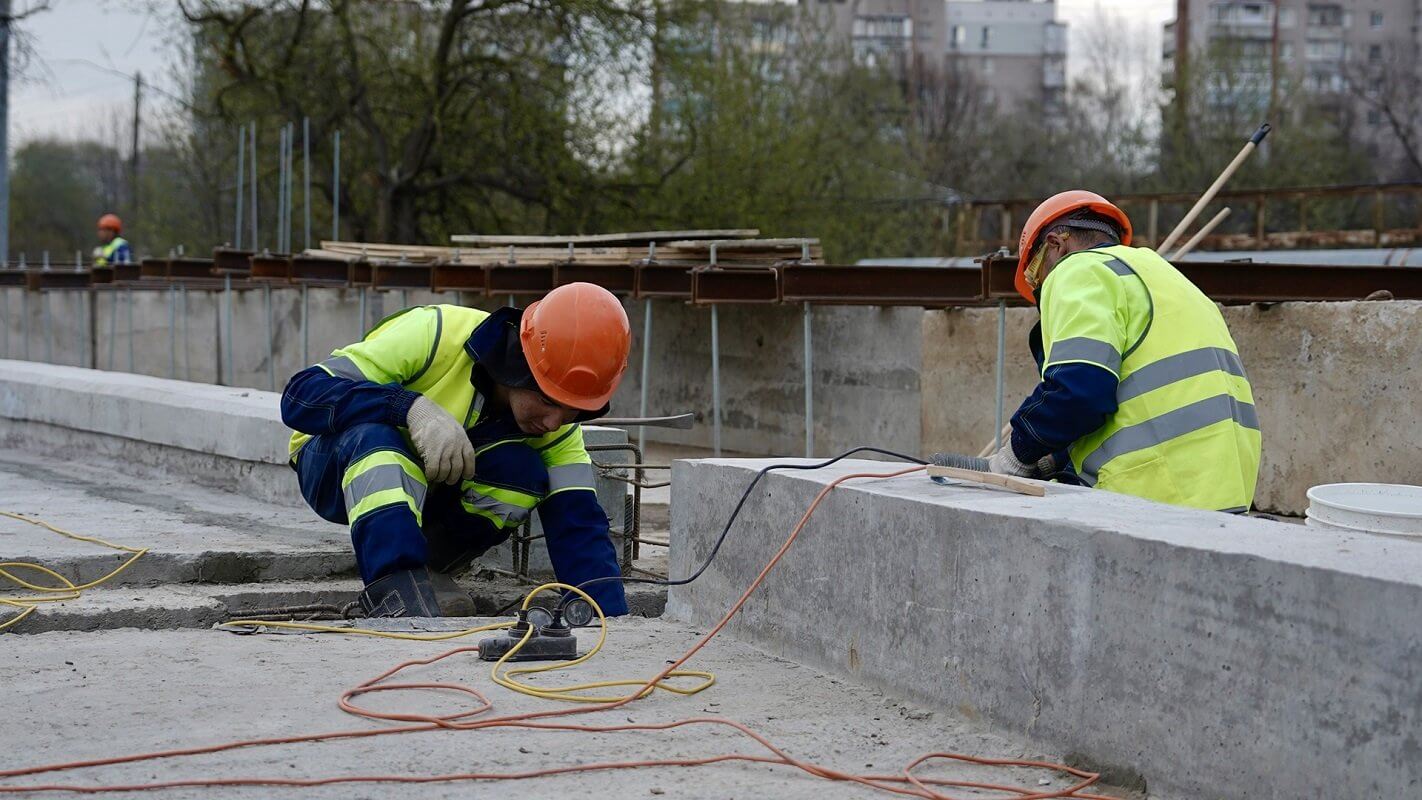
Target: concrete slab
[(102, 694), (1214, 655), (195, 533)]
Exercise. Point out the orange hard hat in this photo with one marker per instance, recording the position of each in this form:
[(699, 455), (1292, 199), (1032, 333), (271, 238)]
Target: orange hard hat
[(112, 222), (576, 341), (1053, 209)]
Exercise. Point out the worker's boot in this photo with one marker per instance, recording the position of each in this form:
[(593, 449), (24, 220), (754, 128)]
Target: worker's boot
[(416, 593)]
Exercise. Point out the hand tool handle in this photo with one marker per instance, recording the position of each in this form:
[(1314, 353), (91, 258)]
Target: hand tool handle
[(1215, 187)]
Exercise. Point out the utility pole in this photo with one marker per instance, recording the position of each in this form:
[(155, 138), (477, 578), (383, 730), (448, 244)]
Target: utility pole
[(4, 131), (133, 151)]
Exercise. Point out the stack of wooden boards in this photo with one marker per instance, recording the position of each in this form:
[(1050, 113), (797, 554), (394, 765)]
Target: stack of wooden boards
[(729, 248)]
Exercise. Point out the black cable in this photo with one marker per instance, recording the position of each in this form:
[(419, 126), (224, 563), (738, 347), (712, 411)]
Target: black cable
[(731, 521)]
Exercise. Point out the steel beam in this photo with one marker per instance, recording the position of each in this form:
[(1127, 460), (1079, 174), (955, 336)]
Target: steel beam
[(928, 287), (711, 285)]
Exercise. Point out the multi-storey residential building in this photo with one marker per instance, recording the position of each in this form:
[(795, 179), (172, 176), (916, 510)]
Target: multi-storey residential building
[(1015, 49), (1342, 51)]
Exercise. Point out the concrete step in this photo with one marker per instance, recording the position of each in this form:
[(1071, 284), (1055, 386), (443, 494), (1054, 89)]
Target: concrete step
[(201, 605)]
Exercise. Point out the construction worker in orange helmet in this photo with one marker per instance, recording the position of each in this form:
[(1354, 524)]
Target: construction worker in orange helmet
[(113, 248), (436, 436), (1142, 389)]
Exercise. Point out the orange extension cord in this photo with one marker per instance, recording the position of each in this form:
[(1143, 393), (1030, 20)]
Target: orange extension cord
[(904, 783)]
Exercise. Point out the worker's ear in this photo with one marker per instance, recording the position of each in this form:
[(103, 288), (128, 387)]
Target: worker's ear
[(1056, 244)]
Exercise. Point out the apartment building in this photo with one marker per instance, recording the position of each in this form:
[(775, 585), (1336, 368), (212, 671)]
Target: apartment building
[(1015, 49), (1340, 50)]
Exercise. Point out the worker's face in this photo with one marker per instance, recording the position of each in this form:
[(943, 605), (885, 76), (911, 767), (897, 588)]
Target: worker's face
[(536, 414), (106, 235)]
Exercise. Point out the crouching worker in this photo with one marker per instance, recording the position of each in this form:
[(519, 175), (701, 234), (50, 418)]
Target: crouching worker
[(435, 437)]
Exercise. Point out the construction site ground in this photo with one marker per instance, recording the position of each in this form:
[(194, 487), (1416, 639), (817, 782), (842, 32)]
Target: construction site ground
[(137, 666)]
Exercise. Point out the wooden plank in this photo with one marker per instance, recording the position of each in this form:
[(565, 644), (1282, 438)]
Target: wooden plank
[(605, 238), (1008, 482)]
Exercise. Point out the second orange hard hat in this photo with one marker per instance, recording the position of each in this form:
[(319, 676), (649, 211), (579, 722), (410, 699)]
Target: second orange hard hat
[(112, 222), (575, 341)]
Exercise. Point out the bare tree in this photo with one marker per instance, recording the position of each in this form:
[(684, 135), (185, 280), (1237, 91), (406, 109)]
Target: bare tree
[(1385, 82)]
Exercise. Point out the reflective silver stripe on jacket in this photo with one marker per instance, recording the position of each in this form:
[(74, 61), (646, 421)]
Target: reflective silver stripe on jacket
[(570, 476), (1119, 267), (1178, 367), (343, 367), (379, 478), (1165, 427), (508, 512), (1081, 348)]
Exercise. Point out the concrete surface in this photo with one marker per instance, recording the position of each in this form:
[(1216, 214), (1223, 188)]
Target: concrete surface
[(1338, 387), (101, 694), (1213, 655)]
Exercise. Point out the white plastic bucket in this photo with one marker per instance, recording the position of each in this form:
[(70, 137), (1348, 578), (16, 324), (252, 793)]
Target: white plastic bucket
[(1369, 507)]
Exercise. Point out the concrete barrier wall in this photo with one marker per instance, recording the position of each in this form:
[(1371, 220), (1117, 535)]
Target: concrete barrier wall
[(1338, 387), (226, 437), (1212, 655)]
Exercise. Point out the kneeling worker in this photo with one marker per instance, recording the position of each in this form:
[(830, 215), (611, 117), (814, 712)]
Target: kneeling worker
[(1142, 389), (437, 435)]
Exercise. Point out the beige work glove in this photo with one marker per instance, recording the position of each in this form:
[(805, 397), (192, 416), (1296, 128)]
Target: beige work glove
[(1005, 462), (441, 441)]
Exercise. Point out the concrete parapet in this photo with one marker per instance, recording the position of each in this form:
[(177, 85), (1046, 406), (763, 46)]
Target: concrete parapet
[(1213, 655), (218, 436)]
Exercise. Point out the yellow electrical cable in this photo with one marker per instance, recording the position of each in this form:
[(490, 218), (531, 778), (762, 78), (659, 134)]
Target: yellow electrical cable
[(68, 590), (506, 679)]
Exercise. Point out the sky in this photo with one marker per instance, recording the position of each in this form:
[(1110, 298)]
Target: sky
[(79, 83)]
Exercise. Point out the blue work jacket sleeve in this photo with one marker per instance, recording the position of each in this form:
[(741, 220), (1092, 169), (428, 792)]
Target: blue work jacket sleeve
[(580, 548), (317, 402), (1072, 400)]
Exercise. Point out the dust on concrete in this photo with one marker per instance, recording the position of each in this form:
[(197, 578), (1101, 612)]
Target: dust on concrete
[(102, 694)]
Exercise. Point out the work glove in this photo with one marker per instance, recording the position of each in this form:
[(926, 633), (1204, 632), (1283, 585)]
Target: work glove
[(441, 441), (1005, 462)]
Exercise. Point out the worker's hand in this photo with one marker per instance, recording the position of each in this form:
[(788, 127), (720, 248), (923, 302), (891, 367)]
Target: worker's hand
[(1004, 462), (441, 441)]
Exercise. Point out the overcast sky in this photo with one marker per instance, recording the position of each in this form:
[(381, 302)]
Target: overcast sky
[(86, 51)]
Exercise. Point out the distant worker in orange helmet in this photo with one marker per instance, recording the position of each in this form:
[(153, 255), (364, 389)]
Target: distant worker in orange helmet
[(113, 248), (438, 434), (1142, 389)]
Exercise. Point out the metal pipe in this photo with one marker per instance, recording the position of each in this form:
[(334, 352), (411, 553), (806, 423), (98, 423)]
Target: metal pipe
[(113, 325), (129, 292), (253, 150), (1001, 365), (360, 324), (227, 331), (172, 333), (45, 317), (305, 326), (241, 148), (290, 182), (715, 383), (183, 316), (5, 328), (25, 312), (281, 191), (646, 366), (336, 186), (809, 385), (306, 182), (271, 345)]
